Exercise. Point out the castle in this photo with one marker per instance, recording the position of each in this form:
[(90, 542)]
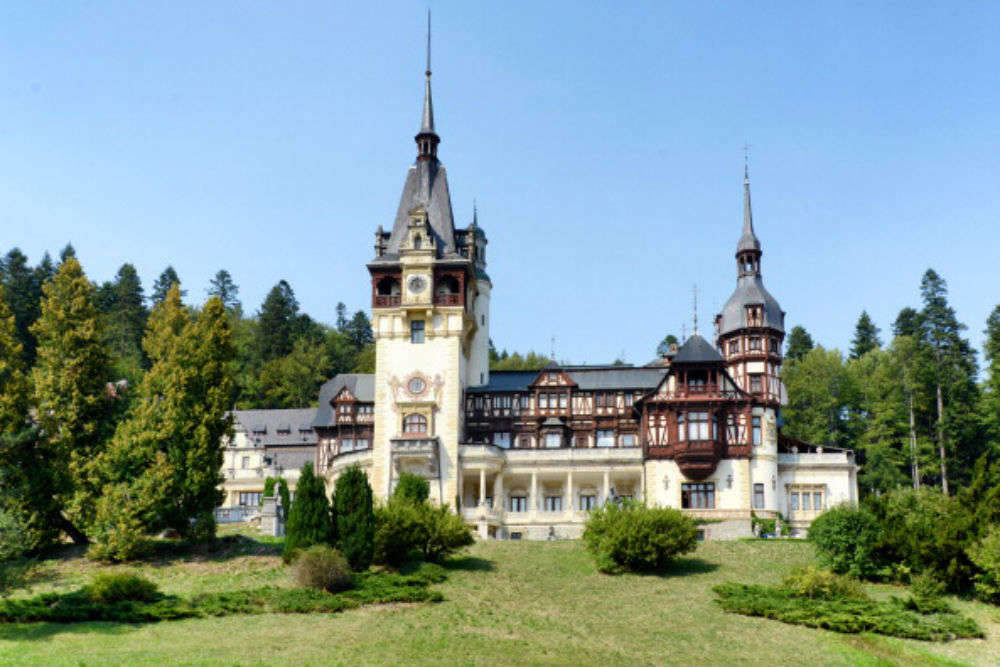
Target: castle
[(525, 454)]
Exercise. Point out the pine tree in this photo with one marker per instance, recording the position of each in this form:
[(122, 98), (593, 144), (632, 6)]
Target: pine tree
[(70, 392), (309, 521), (293, 381), (955, 371), (865, 337), (277, 322), (359, 330), (66, 253), (23, 292), (991, 393), (123, 307), (799, 343), (908, 323), (341, 316), (163, 284), (222, 286), (354, 513)]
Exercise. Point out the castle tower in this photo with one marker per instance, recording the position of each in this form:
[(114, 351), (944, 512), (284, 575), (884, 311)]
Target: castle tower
[(430, 313)]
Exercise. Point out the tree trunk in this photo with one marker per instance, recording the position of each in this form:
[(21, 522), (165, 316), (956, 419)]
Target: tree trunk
[(914, 463), (66, 526), (940, 435)]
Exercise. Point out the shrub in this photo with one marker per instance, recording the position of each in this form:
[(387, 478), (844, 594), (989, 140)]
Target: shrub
[(985, 555), (12, 538), (630, 536), (446, 533), (109, 588), (412, 487), (323, 568), (845, 539), (309, 519), (407, 529), (354, 513), (814, 583)]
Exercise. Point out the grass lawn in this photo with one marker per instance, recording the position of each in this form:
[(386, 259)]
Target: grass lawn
[(506, 603)]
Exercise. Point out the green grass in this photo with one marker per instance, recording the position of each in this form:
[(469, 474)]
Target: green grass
[(505, 603)]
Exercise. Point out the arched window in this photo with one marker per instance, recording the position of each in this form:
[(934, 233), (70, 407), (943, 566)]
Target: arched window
[(415, 424), (418, 242), (447, 285), (387, 286)]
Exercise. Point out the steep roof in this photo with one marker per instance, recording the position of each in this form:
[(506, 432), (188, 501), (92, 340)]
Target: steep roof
[(277, 427), (587, 378), (749, 292), (697, 350), (426, 186), (362, 385)]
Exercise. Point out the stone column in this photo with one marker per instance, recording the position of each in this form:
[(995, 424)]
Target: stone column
[(607, 487), (569, 491), (482, 487), (498, 491), (533, 500)]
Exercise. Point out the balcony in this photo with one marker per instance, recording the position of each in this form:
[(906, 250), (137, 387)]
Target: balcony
[(697, 459), (387, 300), (447, 299), (418, 456)]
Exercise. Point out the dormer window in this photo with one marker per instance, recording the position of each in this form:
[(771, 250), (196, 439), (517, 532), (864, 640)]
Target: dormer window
[(418, 242)]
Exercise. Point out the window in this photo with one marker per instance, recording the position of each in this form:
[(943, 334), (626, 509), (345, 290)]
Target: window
[(517, 504), (543, 400), (362, 443), (734, 347), (525, 401), (755, 343), (502, 440), (793, 502), (600, 400), (588, 501), (758, 496), (344, 408), (515, 535), (524, 442), (563, 400), (817, 500), (756, 383), (250, 498), (605, 438), (756, 431), (698, 496), (366, 409), (553, 440), (346, 445), (628, 440), (697, 427), (553, 503), (806, 501), (629, 399), (505, 401), (245, 463), (415, 424), (417, 331), (732, 429)]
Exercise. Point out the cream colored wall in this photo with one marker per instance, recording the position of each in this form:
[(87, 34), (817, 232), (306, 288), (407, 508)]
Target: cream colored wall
[(479, 352)]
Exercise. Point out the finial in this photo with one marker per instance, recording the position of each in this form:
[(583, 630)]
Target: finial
[(428, 72), (696, 308), (552, 353), (475, 213)]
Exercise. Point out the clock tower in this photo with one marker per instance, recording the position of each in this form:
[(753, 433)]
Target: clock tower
[(430, 316)]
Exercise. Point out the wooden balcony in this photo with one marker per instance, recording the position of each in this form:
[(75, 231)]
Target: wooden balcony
[(697, 459), (447, 299), (387, 300)]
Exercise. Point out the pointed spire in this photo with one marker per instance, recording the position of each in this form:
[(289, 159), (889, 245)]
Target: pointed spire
[(427, 122), (748, 241)]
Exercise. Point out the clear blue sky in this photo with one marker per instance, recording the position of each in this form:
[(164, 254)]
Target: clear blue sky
[(603, 144)]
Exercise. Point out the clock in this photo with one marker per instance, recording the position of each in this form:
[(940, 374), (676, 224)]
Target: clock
[(416, 385), (416, 284)]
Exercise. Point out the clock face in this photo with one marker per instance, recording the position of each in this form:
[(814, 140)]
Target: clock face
[(416, 385), (417, 284)]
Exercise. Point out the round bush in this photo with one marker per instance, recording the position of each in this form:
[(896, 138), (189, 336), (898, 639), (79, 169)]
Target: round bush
[(845, 538), (108, 588), (323, 568), (634, 537)]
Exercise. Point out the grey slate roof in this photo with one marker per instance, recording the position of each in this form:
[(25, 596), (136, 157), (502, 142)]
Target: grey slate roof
[(593, 378), (362, 385), (277, 427), (427, 186), (750, 291), (697, 350)]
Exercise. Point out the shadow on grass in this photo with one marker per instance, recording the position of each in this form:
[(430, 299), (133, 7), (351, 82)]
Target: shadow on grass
[(169, 552), (684, 566), (27, 632), (469, 564)]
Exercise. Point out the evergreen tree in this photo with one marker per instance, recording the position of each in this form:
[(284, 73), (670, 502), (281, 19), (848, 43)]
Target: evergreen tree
[(70, 391), (991, 393), (341, 317), (23, 292), (222, 286), (955, 372), (908, 323), (359, 330), (413, 488), (799, 343), (309, 521), (66, 253), (123, 306), (364, 362), (354, 514), (865, 337), (163, 284), (277, 322), (664, 347), (293, 381), (823, 399)]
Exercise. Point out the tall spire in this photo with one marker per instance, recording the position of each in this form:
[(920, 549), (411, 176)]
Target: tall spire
[(427, 139), (748, 247)]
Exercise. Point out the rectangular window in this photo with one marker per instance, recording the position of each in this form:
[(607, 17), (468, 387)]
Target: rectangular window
[(417, 331), (758, 496), (525, 401), (734, 347), (756, 431), (756, 383), (698, 496), (517, 504), (543, 401), (563, 400), (755, 342), (524, 442), (793, 502), (605, 438), (698, 428), (246, 462), (817, 500), (250, 498), (347, 445), (629, 400), (502, 440), (628, 440), (553, 503), (553, 440), (363, 443), (806, 501), (588, 501)]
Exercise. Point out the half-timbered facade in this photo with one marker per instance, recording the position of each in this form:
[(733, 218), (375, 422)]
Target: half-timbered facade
[(528, 453)]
